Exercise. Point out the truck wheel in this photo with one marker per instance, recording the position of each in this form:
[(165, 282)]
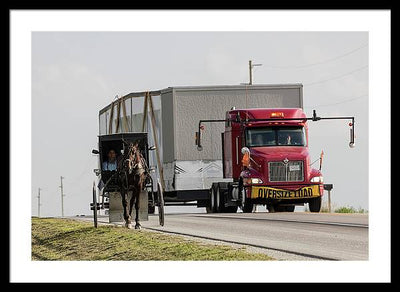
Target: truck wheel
[(280, 208), (211, 207), (231, 209), (275, 208), (248, 207), (289, 208), (219, 203), (315, 204), (221, 195)]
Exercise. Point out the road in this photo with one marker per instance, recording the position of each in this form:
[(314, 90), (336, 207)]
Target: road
[(287, 236)]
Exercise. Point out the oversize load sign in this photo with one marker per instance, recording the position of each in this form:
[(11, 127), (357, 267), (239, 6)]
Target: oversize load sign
[(272, 193)]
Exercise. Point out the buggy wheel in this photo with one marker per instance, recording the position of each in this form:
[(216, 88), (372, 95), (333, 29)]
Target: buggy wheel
[(94, 206), (160, 203), (151, 209), (151, 206)]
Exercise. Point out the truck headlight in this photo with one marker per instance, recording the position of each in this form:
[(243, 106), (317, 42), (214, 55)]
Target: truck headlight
[(317, 179), (256, 181)]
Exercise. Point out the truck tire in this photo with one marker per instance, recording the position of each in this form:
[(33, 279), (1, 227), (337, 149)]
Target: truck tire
[(211, 207), (289, 208), (278, 208), (315, 204), (219, 203), (231, 209), (221, 196), (274, 208), (248, 207)]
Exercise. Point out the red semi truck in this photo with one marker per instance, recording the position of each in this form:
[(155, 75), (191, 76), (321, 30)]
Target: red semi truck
[(265, 152), (257, 154)]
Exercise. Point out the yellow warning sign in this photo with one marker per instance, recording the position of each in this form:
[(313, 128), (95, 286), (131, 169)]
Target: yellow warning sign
[(273, 193)]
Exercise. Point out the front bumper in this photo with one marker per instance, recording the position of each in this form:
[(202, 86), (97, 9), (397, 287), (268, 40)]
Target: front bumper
[(300, 192)]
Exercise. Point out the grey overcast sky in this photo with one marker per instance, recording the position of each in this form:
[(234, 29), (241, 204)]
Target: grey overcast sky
[(75, 74)]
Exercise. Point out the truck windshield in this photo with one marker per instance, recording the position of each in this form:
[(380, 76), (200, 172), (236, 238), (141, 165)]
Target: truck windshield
[(275, 136)]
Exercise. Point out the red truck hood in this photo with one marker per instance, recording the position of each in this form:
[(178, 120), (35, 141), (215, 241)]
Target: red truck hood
[(279, 153)]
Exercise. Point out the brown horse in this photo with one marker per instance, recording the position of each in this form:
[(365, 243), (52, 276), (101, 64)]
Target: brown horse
[(132, 172)]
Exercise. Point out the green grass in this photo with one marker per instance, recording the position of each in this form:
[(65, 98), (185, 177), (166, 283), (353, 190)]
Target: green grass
[(65, 239), (334, 209), (350, 209)]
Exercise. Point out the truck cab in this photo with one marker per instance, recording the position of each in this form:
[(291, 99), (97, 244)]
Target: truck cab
[(266, 152)]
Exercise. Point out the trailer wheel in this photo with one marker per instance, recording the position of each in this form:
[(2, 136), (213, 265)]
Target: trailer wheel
[(315, 204)]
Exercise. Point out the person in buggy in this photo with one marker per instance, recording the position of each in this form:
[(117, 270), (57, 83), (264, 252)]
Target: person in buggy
[(111, 163)]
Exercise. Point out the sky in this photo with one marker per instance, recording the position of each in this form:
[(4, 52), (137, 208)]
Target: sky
[(75, 74)]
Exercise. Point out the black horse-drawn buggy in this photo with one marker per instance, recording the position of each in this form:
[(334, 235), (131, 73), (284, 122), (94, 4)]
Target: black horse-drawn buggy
[(131, 176)]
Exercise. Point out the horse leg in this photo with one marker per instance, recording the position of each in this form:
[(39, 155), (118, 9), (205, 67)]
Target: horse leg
[(127, 216), (133, 199), (137, 201)]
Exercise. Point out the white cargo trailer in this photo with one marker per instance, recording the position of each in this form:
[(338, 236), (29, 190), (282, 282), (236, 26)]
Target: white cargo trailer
[(185, 173)]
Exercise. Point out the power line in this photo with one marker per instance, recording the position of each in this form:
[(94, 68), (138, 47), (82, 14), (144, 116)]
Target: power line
[(336, 103), (85, 170), (319, 63), (337, 77)]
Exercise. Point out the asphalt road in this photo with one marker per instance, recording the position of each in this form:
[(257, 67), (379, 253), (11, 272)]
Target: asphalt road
[(288, 236)]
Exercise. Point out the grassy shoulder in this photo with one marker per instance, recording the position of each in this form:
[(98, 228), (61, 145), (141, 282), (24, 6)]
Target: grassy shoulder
[(65, 239), (339, 209)]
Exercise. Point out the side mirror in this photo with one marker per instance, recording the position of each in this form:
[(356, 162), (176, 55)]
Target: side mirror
[(245, 150), (246, 157), (94, 151), (351, 144), (151, 148), (197, 140)]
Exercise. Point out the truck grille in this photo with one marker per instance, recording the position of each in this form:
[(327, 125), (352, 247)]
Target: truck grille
[(281, 172)]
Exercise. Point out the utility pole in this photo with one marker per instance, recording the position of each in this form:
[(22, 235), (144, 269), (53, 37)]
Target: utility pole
[(39, 202), (62, 196), (251, 66), (250, 73)]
